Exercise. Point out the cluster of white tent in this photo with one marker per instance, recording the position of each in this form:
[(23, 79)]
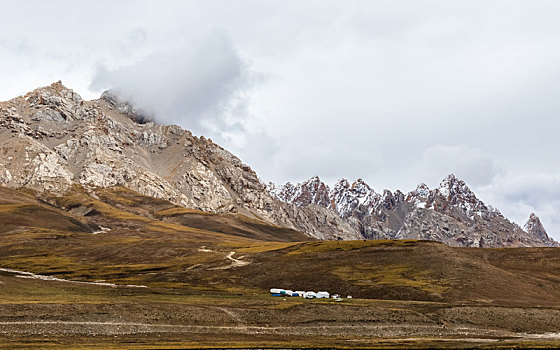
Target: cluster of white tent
[(276, 292)]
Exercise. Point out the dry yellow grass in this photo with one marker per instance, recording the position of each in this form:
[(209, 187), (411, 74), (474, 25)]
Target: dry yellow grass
[(391, 276), (179, 211), (325, 246), (10, 208), (266, 247)]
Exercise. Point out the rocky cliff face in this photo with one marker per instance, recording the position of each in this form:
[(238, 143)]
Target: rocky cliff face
[(450, 213), (52, 140)]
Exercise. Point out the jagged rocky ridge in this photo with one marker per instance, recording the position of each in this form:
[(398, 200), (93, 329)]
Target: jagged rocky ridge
[(51, 140), (450, 213)]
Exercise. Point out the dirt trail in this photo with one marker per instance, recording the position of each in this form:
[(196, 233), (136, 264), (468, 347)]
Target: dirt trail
[(234, 262), (234, 316), (25, 274)]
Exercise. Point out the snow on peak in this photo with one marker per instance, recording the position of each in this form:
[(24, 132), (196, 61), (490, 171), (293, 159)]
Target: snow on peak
[(388, 213), (346, 197), (360, 188), (452, 183), (422, 190), (341, 185), (420, 196), (312, 191), (459, 195), (314, 178), (454, 188)]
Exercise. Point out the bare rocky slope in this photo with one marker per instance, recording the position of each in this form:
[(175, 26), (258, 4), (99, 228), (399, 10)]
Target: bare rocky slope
[(51, 140), (450, 213)]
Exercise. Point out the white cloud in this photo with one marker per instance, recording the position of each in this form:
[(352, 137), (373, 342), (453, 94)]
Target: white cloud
[(200, 85), (470, 164)]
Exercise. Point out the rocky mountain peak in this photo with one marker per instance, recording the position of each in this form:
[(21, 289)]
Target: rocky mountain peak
[(341, 185), (361, 184), (56, 89), (422, 190), (456, 190), (346, 197), (458, 195), (534, 226), (451, 185), (312, 191), (421, 196)]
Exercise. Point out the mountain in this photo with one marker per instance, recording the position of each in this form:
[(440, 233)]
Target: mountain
[(450, 213), (53, 142)]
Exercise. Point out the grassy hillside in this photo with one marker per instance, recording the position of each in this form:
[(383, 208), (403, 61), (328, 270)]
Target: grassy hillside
[(207, 270)]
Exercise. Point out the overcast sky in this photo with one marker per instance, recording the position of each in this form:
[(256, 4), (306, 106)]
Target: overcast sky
[(394, 92)]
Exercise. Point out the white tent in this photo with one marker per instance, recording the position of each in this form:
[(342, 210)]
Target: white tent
[(309, 295)]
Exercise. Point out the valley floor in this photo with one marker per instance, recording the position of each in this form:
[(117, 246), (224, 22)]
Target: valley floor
[(47, 314)]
